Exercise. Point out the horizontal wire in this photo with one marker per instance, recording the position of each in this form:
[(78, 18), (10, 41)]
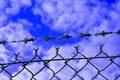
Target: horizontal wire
[(67, 36), (49, 60)]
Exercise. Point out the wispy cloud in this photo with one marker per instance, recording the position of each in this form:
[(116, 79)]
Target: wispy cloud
[(81, 15), (16, 5)]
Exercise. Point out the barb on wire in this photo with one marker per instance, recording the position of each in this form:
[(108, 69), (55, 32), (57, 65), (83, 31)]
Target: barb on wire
[(85, 35), (118, 32), (3, 42), (103, 33), (27, 40), (67, 36), (46, 38), (58, 57)]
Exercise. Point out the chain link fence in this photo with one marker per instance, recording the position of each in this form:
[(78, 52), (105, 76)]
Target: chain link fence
[(77, 67)]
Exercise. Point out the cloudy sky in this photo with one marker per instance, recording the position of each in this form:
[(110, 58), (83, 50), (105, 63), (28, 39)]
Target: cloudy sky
[(20, 19)]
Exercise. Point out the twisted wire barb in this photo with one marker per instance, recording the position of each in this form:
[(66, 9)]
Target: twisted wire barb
[(67, 36)]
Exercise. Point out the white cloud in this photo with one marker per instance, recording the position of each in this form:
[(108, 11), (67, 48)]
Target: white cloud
[(3, 77), (13, 10), (48, 7), (84, 15), (42, 75), (3, 4), (34, 67), (3, 18), (26, 2), (23, 75), (4, 57), (15, 6)]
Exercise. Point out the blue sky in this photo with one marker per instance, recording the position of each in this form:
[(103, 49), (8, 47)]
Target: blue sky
[(21, 19)]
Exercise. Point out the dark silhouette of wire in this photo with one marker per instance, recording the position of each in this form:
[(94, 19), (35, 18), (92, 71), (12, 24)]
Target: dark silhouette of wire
[(67, 36), (58, 57)]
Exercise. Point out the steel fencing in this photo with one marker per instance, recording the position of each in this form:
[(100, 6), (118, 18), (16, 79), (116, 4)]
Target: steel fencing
[(67, 67)]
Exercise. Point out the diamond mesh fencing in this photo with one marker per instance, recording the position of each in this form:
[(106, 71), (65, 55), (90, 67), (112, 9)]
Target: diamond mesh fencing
[(98, 67)]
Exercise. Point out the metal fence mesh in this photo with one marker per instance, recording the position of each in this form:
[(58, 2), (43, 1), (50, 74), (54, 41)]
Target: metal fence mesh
[(86, 70)]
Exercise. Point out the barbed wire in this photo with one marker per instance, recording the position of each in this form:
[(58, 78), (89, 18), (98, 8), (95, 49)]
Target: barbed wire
[(67, 36), (58, 57)]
